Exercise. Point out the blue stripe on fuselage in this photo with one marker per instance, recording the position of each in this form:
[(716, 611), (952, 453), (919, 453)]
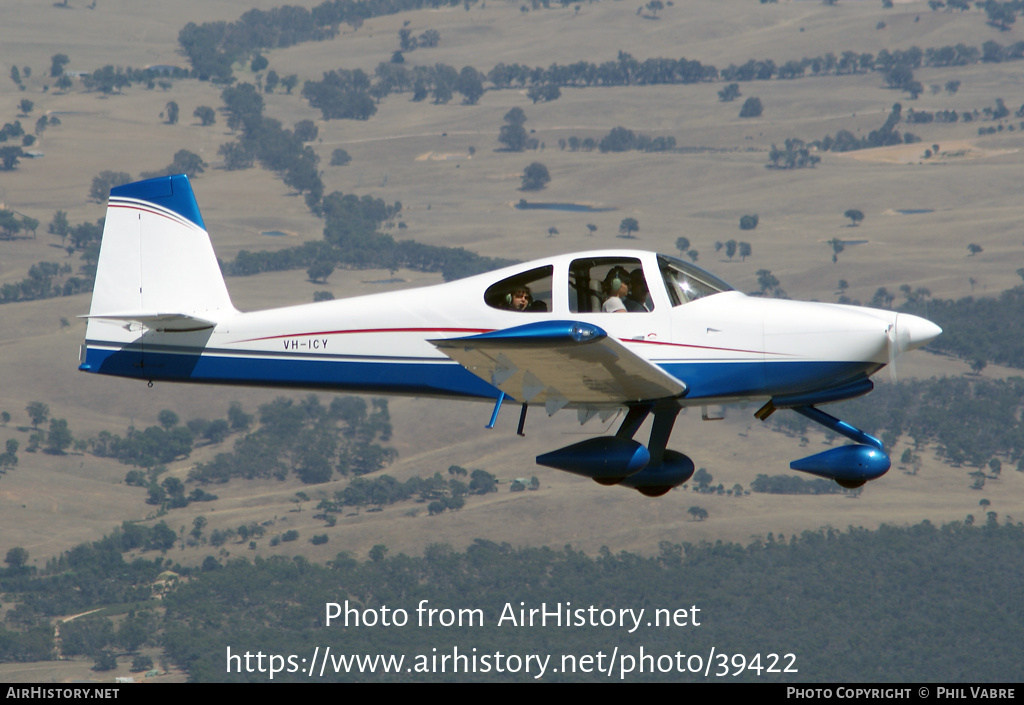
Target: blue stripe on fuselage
[(446, 378), (756, 379), (443, 378)]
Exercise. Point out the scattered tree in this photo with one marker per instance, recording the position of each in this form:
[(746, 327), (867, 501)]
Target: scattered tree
[(104, 181), (57, 64), (854, 215), (172, 113), (628, 226), (513, 134), (751, 108), (837, 246), (38, 412), (205, 114), (320, 270), (9, 158), (340, 157), (535, 177), (729, 93), (16, 558)]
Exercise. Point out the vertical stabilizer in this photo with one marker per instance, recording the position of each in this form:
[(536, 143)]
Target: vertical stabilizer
[(156, 259)]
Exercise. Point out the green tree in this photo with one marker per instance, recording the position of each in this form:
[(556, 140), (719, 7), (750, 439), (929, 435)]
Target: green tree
[(748, 222), (628, 226), (535, 177), (591, 229), (751, 108), (205, 114), (271, 81), (729, 93), (16, 558), (38, 412), (306, 131), (59, 225), (9, 158), (320, 270), (186, 162), (513, 134), (59, 439), (25, 106), (837, 246), (168, 419), (236, 155), (104, 181), (141, 663), (974, 249), (683, 245), (172, 113), (238, 419), (470, 84), (698, 513), (482, 482), (854, 215), (340, 157), (57, 64)]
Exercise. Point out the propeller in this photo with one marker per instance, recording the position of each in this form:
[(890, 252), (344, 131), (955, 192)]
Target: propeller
[(907, 332)]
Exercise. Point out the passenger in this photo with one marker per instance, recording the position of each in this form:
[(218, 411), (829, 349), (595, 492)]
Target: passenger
[(616, 286), (637, 299), (519, 299)]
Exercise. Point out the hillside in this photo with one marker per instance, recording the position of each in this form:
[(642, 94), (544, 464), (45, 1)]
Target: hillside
[(458, 187)]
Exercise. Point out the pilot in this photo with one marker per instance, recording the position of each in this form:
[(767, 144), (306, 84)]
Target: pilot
[(519, 299), (637, 299), (616, 286)]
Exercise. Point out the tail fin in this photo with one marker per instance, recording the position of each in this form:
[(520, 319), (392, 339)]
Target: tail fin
[(157, 266)]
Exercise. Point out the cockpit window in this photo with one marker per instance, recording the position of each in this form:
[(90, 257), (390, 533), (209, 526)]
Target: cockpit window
[(529, 292), (686, 283), (608, 285)]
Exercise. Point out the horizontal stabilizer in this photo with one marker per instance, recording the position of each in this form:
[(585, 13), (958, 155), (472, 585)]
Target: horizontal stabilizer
[(161, 322)]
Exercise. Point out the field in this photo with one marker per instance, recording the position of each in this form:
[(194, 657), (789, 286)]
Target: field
[(444, 163)]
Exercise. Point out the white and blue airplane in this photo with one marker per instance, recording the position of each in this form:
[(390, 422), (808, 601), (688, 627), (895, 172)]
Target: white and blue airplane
[(598, 332)]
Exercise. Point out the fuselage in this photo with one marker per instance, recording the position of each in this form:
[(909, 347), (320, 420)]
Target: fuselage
[(724, 345)]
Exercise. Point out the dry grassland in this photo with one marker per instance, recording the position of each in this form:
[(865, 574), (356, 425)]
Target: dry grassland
[(418, 153)]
